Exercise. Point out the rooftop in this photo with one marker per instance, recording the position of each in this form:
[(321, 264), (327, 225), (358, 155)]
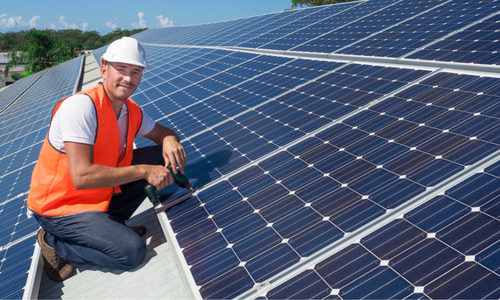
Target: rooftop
[(343, 151)]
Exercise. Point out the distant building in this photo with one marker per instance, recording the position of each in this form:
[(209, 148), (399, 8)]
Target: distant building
[(4, 59)]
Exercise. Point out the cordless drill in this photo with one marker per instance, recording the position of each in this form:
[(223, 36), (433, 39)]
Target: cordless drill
[(180, 179)]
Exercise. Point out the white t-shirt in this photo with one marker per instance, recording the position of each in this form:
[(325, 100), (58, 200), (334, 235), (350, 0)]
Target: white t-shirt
[(76, 121)]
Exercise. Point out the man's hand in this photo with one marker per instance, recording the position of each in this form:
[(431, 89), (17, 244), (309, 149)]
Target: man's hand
[(173, 152), (159, 176)]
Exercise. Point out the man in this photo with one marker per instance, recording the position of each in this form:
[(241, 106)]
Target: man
[(88, 180)]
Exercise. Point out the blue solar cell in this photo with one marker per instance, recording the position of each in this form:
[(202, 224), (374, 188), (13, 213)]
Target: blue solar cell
[(401, 191), (479, 282), (418, 265), (418, 136), (281, 256), (337, 273), (396, 129), (214, 266), (442, 143), (244, 227), (449, 119), (378, 123), (470, 152), (437, 214), (224, 286), (194, 217), (195, 233), (16, 262), (425, 114), (296, 222), (434, 172), (469, 193), (385, 153), (335, 201), (307, 285), (459, 235), (489, 257), (356, 215), (352, 171), (475, 126), (204, 248), (365, 145), (373, 285), (261, 241), (373, 181), (318, 153), (223, 201), (317, 189), (408, 162), (347, 138), (397, 237), (301, 178), (315, 238)]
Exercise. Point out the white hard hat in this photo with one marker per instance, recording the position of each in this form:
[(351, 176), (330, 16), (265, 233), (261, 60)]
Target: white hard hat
[(126, 50)]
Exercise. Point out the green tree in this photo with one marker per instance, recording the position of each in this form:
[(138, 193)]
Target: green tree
[(310, 3), (39, 51), (97, 45), (10, 39)]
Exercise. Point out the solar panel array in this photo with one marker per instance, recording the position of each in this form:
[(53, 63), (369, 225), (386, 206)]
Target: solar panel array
[(14, 91), (24, 125), (321, 171), (452, 31), (445, 248), (308, 170)]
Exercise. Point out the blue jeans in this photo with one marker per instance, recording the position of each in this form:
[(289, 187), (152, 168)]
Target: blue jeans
[(102, 238)]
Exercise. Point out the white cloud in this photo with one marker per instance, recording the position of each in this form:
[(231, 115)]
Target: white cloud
[(62, 22), (165, 22), (65, 24), (11, 22), (111, 25), (16, 21), (32, 23), (85, 25), (142, 22)]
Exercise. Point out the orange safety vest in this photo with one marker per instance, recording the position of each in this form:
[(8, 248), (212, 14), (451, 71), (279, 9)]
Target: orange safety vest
[(52, 191)]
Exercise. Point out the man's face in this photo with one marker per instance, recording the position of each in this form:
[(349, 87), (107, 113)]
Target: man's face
[(120, 79)]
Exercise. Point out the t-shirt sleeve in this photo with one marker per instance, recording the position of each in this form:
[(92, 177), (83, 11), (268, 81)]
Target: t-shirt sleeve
[(147, 124), (74, 121)]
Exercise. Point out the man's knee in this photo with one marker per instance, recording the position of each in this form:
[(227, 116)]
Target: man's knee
[(133, 252)]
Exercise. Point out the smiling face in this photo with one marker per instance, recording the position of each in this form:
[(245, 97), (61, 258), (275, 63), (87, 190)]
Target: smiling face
[(120, 80)]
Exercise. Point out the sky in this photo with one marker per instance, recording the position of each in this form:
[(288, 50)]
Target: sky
[(106, 15)]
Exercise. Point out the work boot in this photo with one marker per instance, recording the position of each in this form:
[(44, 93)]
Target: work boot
[(56, 268), (140, 230)]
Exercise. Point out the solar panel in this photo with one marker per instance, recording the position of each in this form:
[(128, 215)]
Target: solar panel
[(300, 155), (24, 126), (444, 248), (473, 44), (427, 22), (370, 166), (9, 95)]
